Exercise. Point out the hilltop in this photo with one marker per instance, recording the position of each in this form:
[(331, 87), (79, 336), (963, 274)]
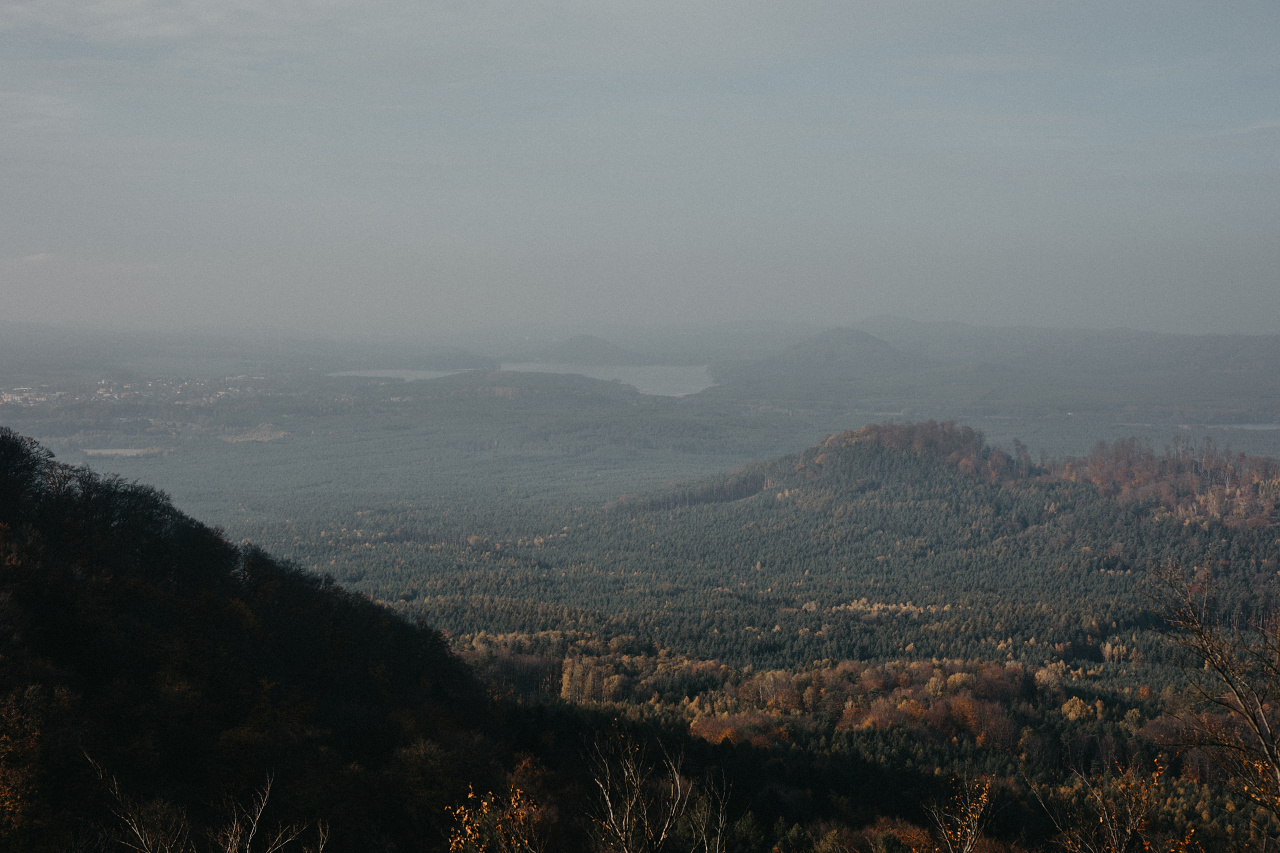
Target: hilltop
[(157, 680), (960, 548), (582, 349), (838, 365)]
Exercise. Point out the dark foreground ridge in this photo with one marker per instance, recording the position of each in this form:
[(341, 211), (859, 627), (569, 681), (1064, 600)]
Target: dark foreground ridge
[(155, 678), (140, 645)]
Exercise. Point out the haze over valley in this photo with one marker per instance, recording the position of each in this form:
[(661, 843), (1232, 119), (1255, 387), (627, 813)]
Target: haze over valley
[(571, 427), (799, 565)]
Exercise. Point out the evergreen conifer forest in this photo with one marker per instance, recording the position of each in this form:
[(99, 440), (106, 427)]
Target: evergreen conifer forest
[(504, 611)]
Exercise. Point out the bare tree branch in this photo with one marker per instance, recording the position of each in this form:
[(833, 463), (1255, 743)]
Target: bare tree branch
[(1238, 685), (957, 827), (638, 806)]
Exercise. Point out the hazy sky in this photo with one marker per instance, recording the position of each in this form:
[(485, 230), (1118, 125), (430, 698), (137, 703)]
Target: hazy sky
[(356, 165)]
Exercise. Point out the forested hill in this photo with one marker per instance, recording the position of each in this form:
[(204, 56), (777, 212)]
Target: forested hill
[(155, 679), (581, 349), (890, 540), (836, 462), (837, 628), (138, 645), (1142, 380), (834, 366), (1195, 480)]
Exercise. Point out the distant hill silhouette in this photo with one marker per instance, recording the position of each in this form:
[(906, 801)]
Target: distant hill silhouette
[(890, 365), (583, 349), (830, 365), (1055, 349)]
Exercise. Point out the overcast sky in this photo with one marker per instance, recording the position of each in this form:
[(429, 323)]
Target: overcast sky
[(387, 165)]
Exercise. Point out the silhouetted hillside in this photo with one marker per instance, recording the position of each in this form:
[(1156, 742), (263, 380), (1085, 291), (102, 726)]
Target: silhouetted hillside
[(828, 367), (1050, 349), (582, 349), (153, 676), (191, 669)]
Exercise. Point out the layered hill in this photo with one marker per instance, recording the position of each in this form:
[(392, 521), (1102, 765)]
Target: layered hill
[(1065, 348), (838, 366), (142, 653), (156, 678), (962, 371), (581, 349), (889, 540)]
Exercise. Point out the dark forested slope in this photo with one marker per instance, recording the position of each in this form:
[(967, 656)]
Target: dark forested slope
[(839, 629), (136, 639), (153, 676)]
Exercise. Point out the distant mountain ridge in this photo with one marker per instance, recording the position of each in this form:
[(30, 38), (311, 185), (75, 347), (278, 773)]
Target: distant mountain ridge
[(951, 370), (582, 349), (840, 350), (833, 365), (946, 341)]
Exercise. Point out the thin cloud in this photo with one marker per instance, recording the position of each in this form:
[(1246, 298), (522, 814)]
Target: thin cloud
[(555, 36), (149, 20), (461, 158), (1256, 127), (998, 63), (28, 110)]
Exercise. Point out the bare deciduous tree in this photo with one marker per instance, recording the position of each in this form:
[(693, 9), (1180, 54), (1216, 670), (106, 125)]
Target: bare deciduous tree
[(957, 827), (645, 807), (709, 815), (1110, 814), (1237, 679), (159, 827), (148, 827), (638, 806), (244, 824)]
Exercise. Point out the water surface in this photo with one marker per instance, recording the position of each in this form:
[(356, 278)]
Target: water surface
[(406, 375), (666, 380)]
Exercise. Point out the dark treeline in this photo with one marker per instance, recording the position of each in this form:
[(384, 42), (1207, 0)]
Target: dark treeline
[(887, 610), (141, 647), (155, 679), (875, 544)]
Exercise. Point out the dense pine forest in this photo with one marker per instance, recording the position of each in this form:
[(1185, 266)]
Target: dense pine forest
[(163, 686), (865, 544), (461, 606)]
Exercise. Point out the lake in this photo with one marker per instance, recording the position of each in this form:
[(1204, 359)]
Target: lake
[(406, 375), (665, 380)]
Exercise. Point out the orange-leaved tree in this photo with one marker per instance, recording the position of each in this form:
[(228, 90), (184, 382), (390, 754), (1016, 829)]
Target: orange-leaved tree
[(491, 823)]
